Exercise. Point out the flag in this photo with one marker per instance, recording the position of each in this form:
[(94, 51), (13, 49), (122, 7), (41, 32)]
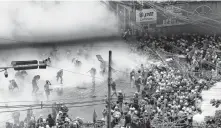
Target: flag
[(94, 116)]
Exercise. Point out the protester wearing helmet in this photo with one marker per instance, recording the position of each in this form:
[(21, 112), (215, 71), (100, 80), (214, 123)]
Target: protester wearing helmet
[(35, 84), (60, 76), (47, 88)]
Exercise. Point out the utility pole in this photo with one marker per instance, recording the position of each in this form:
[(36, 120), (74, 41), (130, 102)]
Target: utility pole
[(109, 91)]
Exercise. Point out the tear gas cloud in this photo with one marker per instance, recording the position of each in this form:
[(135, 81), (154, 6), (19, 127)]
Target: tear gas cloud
[(73, 77), (38, 22), (49, 21)]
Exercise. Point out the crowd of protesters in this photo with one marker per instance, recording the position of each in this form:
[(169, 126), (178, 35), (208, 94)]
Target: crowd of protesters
[(163, 94), (200, 50)]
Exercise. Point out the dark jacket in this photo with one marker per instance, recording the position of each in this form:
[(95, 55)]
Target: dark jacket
[(50, 122)]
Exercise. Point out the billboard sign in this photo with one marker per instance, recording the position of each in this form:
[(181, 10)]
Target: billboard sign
[(146, 15)]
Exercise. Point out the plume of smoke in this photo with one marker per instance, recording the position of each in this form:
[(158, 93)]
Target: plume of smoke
[(121, 58), (37, 21)]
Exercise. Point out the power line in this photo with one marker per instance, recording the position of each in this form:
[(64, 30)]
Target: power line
[(99, 101), (89, 75), (36, 108), (66, 103), (76, 73), (52, 107), (34, 105)]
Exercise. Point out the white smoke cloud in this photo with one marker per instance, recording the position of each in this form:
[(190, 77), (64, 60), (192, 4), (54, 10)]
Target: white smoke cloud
[(43, 21), (121, 57)]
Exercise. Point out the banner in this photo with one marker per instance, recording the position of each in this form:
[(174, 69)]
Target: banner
[(146, 15)]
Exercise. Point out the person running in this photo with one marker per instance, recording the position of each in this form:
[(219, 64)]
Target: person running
[(60, 76), (47, 88), (20, 78), (35, 84), (21, 74), (13, 85)]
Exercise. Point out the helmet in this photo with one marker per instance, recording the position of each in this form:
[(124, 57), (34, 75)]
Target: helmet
[(37, 76)]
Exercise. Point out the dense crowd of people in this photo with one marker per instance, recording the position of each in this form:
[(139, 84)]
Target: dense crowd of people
[(200, 50), (58, 118), (168, 92), (163, 95)]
